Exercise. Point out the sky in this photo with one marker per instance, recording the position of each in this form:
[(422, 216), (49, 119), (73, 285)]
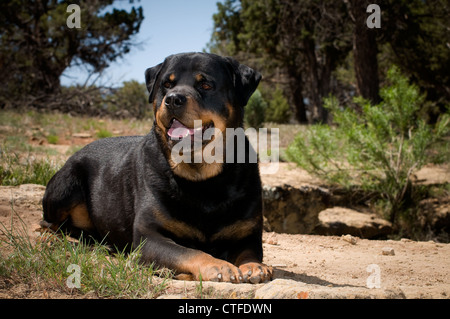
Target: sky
[(169, 27)]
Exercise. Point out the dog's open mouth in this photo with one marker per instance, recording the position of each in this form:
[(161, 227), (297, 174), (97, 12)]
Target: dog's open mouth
[(179, 131)]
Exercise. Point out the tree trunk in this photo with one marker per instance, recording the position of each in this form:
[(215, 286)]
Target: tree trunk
[(313, 71), (365, 53), (295, 86)]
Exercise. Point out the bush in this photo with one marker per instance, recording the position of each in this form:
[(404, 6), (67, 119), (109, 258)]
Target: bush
[(132, 98), (379, 149), (278, 110), (255, 110)]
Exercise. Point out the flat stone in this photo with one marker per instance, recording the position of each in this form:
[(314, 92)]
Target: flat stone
[(282, 289), (339, 221), (82, 135)]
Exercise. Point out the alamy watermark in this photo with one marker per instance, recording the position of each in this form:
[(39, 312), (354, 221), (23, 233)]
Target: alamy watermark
[(74, 20), (74, 280), (373, 20), (374, 280)]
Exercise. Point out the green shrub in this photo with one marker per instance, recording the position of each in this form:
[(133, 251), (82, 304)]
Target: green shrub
[(278, 110), (378, 148), (255, 110), (52, 139), (103, 133), (131, 97)]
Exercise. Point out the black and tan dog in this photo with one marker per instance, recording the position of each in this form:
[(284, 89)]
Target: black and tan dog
[(196, 218)]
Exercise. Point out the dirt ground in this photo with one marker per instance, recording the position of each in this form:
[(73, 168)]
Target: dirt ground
[(304, 265)]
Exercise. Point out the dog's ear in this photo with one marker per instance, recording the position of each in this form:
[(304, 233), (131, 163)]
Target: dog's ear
[(245, 79), (151, 74)]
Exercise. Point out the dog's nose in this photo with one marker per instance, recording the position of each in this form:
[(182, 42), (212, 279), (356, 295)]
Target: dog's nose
[(175, 100)]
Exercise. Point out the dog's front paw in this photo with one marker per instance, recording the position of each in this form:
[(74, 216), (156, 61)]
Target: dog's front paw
[(255, 273), (220, 271)]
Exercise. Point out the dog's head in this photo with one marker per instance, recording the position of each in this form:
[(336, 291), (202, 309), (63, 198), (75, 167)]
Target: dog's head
[(191, 87)]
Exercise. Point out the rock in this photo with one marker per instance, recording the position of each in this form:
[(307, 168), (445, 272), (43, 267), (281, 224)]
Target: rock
[(291, 289), (281, 289), (32, 188), (209, 289), (294, 210), (434, 214), (271, 239), (171, 296), (82, 135), (349, 238), (388, 251), (339, 221)]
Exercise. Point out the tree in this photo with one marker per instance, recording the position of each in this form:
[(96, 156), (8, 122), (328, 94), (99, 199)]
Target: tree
[(36, 44), (418, 37), (306, 40), (277, 110), (255, 110)]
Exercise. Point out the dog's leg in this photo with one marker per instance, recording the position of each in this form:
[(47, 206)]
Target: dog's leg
[(165, 252), (64, 203)]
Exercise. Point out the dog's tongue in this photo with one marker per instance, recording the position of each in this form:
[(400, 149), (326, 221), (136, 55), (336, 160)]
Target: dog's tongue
[(178, 130)]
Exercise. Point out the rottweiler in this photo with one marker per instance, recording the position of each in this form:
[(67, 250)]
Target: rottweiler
[(199, 218)]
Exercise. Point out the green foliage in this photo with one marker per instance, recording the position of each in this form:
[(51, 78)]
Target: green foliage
[(255, 109), (417, 32), (52, 139), (103, 133), (131, 97), (278, 110), (378, 148)]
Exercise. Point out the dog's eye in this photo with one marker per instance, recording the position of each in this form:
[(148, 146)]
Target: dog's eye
[(206, 86), (168, 84)]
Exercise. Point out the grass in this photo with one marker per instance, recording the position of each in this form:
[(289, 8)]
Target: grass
[(71, 267), (103, 133), (52, 139), (16, 170)]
